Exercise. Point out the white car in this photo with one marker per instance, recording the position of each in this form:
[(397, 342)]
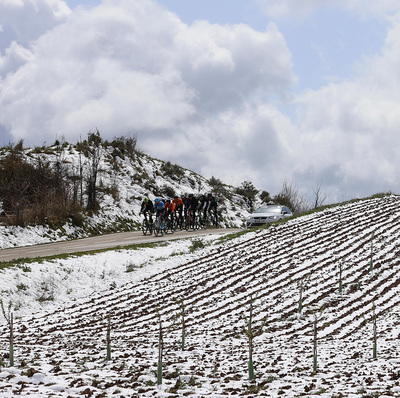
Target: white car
[(267, 214)]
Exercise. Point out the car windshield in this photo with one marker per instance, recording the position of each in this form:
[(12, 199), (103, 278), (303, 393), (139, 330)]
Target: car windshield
[(269, 209)]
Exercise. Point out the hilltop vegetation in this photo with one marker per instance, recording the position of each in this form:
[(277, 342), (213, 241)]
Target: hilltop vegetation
[(96, 186)]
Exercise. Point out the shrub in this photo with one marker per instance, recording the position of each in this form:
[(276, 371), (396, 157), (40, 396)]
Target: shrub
[(123, 146), (168, 191), (46, 290), (248, 191), (30, 191), (265, 197), (196, 244), (219, 188), (172, 171)]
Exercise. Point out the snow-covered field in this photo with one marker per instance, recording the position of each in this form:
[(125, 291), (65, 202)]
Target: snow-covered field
[(61, 310)]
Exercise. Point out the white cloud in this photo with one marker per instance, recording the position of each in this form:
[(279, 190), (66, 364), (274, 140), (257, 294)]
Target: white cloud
[(126, 66), (25, 20), (21, 23), (14, 57), (348, 131), (253, 143), (351, 128), (229, 64)]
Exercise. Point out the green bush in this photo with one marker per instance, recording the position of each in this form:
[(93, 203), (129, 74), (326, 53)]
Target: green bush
[(248, 192), (123, 146), (168, 191), (172, 171), (196, 244)]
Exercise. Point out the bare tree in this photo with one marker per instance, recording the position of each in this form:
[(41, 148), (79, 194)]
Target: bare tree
[(319, 197), (290, 196), (94, 153)]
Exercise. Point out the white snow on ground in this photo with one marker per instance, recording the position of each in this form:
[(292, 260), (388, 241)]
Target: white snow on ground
[(61, 307), (65, 280)]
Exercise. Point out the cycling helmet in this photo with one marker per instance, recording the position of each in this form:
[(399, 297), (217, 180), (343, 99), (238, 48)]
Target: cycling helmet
[(157, 200)]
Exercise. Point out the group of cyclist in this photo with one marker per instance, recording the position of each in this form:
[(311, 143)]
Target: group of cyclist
[(182, 210)]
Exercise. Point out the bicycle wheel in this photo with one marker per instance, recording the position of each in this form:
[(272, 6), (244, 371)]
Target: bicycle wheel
[(203, 221), (172, 225), (212, 220), (178, 223), (158, 231), (215, 220), (187, 223), (193, 223), (144, 227), (166, 227), (181, 222)]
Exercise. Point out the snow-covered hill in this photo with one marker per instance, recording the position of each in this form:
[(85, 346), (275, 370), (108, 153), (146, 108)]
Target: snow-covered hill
[(123, 180), (60, 350)]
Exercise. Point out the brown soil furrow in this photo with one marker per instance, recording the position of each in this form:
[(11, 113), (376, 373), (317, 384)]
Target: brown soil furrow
[(208, 282)]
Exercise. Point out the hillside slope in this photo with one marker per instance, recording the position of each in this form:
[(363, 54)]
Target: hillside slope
[(123, 180), (216, 285)]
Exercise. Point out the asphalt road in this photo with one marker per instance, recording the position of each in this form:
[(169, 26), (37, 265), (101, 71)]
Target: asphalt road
[(109, 241)]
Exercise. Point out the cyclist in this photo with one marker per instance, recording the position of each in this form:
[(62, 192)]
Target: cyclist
[(185, 200), (212, 206), (147, 209), (169, 210), (159, 209), (193, 205), (178, 202), (202, 208)]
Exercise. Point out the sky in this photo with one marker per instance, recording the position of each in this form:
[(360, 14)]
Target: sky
[(265, 91)]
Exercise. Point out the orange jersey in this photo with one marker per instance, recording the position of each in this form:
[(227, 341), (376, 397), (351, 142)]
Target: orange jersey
[(170, 206), (177, 202)]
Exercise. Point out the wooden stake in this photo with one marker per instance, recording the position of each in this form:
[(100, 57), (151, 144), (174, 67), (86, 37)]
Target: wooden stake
[(315, 346), (11, 340), (160, 355), (108, 338)]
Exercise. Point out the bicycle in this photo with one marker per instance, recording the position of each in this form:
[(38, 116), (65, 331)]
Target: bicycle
[(202, 216), (211, 220), (147, 225), (170, 225), (178, 220), (158, 226), (191, 221)]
